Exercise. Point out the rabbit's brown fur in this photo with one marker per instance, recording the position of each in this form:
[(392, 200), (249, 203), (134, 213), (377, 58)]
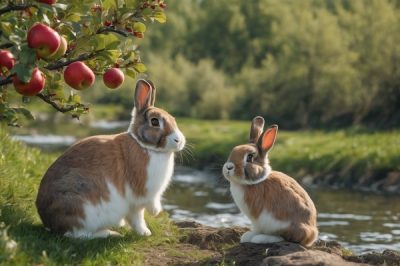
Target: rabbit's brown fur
[(102, 180), (64, 193), (278, 207)]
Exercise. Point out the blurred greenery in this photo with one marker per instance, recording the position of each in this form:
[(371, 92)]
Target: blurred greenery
[(344, 157), (301, 64)]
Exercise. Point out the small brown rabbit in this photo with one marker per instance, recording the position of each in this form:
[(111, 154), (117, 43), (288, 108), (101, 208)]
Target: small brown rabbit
[(277, 206), (103, 180)]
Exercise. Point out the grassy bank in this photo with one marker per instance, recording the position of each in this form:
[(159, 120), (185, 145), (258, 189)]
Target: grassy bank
[(336, 158), (341, 158)]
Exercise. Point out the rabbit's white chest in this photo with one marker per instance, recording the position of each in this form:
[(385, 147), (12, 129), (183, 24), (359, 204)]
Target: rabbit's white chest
[(238, 196), (110, 212), (265, 222), (159, 173), (106, 213)]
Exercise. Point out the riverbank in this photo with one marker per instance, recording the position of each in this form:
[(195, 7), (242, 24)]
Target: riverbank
[(349, 159), (359, 160)]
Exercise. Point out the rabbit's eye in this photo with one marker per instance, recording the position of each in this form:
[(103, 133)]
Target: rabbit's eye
[(154, 122), (250, 158)]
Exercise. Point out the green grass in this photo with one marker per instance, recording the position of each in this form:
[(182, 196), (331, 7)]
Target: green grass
[(21, 169), (346, 154)]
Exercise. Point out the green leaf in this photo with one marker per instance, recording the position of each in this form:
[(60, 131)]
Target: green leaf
[(160, 16), (110, 55), (140, 67), (108, 4), (25, 112), (139, 27), (43, 17), (6, 28), (105, 41), (131, 3), (131, 55), (131, 73), (27, 55), (147, 12), (83, 44), (73, 17), (23, 72)]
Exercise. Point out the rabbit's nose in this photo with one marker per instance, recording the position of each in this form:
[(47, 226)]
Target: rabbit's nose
[(229, 166)]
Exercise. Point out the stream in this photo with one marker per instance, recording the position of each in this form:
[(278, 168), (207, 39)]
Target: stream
[(361, 222)]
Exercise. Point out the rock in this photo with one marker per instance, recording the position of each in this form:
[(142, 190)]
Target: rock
[(225, 243), (387, 258), (307, 258), (207, 237), (283, 253)]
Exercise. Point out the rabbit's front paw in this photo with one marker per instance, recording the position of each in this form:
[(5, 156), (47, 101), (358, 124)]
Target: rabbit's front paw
[(265, 239), (246, 237), (143, 231), (154, 208)]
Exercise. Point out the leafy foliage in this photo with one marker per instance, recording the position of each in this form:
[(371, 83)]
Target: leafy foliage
[(300, 64), (101, 33)]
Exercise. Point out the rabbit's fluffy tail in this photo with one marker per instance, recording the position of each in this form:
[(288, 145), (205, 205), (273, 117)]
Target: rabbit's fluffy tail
[(304, 234)]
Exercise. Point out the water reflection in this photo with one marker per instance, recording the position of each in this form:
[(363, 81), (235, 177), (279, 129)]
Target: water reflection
[(360, 221)]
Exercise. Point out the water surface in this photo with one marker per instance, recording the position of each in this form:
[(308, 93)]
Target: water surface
[(360, 221)]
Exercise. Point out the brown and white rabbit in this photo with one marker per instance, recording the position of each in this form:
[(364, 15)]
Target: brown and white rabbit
[(277, 206), (101, 181)]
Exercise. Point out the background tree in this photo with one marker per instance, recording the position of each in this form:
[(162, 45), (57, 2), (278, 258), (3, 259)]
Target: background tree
[(301, 64)]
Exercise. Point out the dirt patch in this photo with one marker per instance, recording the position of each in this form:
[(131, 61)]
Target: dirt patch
[(177, 254), (207, 237)]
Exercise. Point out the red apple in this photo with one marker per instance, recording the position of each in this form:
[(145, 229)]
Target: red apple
[(49, 2), (43, 39), (79, 76), (33, 87), (7, 60), (113, 78), (61, 50)]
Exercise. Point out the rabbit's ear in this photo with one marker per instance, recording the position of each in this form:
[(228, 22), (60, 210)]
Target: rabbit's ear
[(143, 95), (256, 129), (153, 92), (267, 140)]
